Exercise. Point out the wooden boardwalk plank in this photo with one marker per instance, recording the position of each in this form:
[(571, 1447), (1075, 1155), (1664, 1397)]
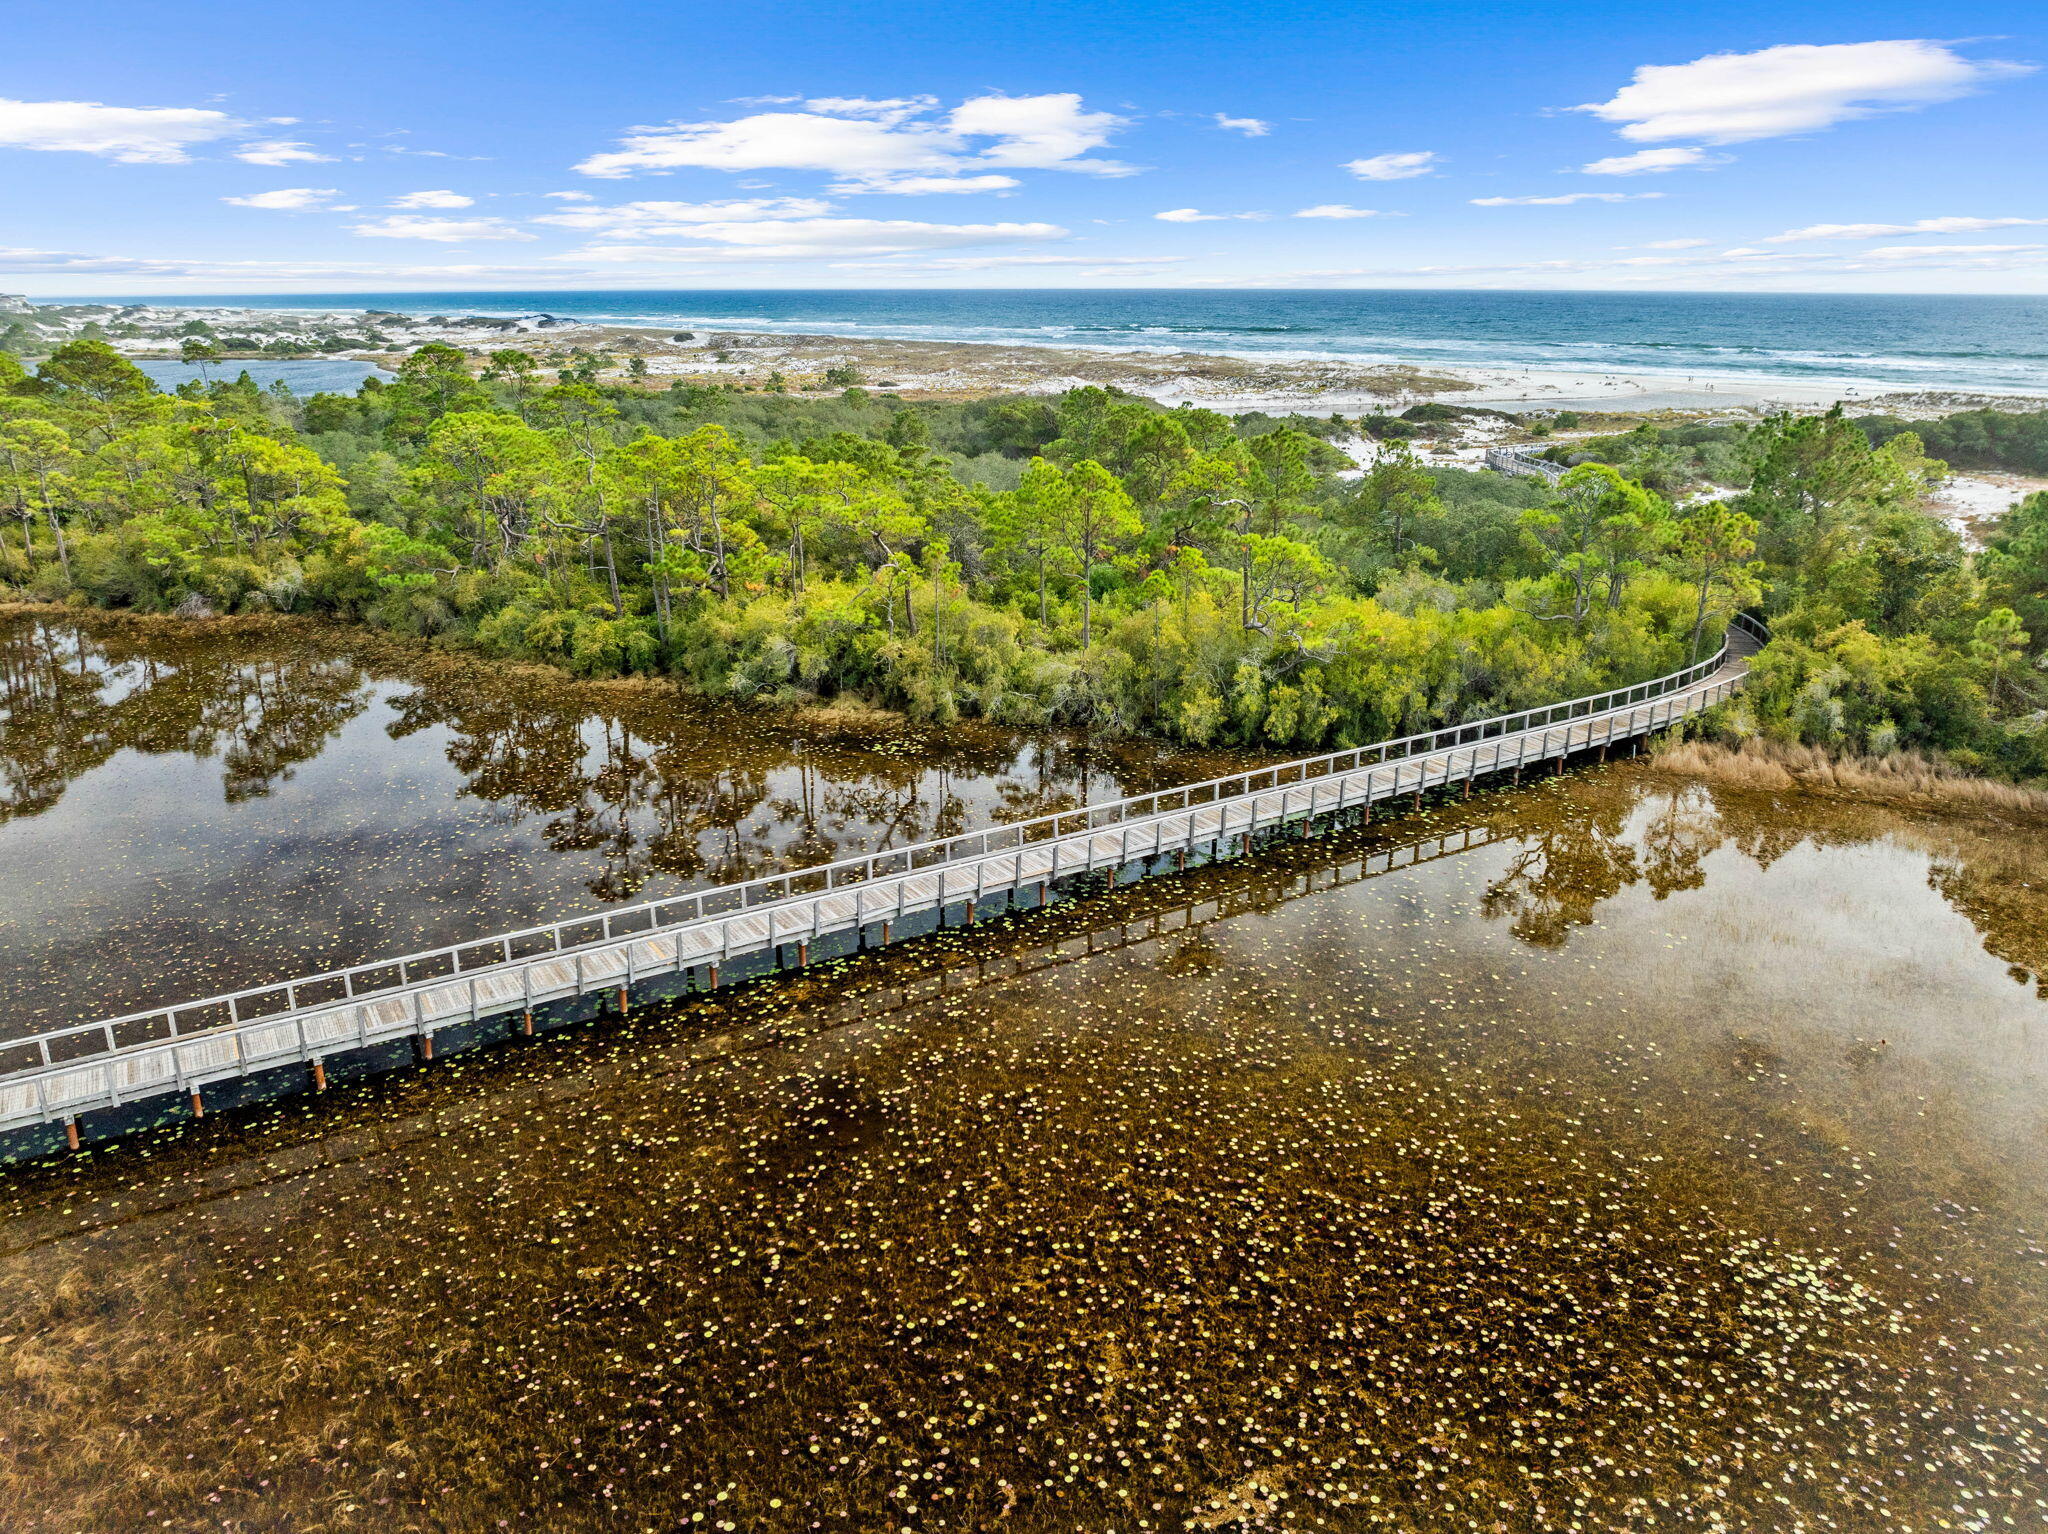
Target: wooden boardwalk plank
[(694, 932)]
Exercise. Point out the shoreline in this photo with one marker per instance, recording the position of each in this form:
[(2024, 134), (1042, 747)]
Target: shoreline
[(1233, 382)]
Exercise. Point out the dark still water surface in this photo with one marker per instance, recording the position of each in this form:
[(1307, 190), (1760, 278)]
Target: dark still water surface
[(1613, 1155), (185, 814)]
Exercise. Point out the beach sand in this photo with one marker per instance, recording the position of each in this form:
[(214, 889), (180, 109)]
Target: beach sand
[(921, 369)]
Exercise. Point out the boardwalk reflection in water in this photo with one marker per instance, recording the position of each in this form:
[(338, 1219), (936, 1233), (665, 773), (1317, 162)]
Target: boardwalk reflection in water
[(201, 813), (1658, 1162)]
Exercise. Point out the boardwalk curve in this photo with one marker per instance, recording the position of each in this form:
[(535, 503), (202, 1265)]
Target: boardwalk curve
[(124, 1071)]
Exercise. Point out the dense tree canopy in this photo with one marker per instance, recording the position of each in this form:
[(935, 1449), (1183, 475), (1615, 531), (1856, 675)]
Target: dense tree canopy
[(1091, 559)]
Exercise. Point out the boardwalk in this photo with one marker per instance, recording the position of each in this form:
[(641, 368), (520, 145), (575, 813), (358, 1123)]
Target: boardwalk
[(125, 1071), (1508, 460)]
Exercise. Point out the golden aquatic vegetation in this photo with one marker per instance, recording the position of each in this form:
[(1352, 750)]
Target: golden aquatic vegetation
[(1628, 1157)]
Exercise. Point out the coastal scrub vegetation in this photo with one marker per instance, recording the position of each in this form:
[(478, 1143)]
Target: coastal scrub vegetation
[(1091, 560)]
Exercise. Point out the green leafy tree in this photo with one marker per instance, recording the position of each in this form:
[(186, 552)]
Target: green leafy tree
[(36, 455), (1031, 521), (94, 370), (1099, 515), (1714, 545), (1999, 645), (199, 352)]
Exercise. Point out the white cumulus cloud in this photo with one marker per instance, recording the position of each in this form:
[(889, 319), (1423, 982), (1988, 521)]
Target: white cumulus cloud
[(290, 199), (131, 135), (441, 199), (1727, 98), (1649, 162), (414, 226), (1394, 167), (867, 141)]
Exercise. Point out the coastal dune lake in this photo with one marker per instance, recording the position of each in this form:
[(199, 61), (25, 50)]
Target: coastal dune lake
[(188, 812), (1618, 1153)]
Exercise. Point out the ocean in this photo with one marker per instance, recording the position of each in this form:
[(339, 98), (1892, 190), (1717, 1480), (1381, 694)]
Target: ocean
[(1976, 344)]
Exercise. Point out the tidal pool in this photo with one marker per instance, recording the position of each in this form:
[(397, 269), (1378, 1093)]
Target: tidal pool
[(1616, 1154)]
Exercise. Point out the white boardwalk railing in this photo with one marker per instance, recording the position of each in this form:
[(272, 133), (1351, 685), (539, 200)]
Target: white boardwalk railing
[(57, 1075)]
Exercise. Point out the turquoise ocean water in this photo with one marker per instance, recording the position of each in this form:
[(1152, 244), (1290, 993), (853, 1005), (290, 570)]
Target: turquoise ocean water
[(1966, 343)]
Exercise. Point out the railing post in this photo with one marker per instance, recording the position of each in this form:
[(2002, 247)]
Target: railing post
[(1631, 711)]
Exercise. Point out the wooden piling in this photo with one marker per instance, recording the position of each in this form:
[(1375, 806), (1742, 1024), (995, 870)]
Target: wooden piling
[(71, 1134), (970, 913), (803, 954), (198, 1105), (425, 1045), (319, 1075), (886, 926), (714, 976), (526, 1023), (624, 1001)]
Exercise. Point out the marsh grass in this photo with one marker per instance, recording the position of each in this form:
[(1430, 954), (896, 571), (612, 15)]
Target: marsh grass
[(1902, 777)]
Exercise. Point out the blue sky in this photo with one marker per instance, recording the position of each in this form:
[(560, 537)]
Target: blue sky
[(373, 147)]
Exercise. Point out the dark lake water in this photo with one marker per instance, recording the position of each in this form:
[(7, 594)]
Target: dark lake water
[(195, 812), (1617, 1154), (304, 376)]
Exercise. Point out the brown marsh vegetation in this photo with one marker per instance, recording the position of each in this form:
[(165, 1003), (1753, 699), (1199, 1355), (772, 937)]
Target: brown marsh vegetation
[(1666, 1160), (1905, 777)]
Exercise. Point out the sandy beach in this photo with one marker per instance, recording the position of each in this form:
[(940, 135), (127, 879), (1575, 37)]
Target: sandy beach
[(656, 356), (659, 357)]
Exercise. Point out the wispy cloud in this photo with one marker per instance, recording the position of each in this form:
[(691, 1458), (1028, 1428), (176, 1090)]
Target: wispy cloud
[(290, 199), (803, 239), (436, 199), (1562, 199), (1394, 167), (657, 219), (21, 260), (282, 152), (1342, 210), (1250, 127), (924, 186), (1651, 162), (447, 231), (1085, 265), (1878, 231), (1197, 216)]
